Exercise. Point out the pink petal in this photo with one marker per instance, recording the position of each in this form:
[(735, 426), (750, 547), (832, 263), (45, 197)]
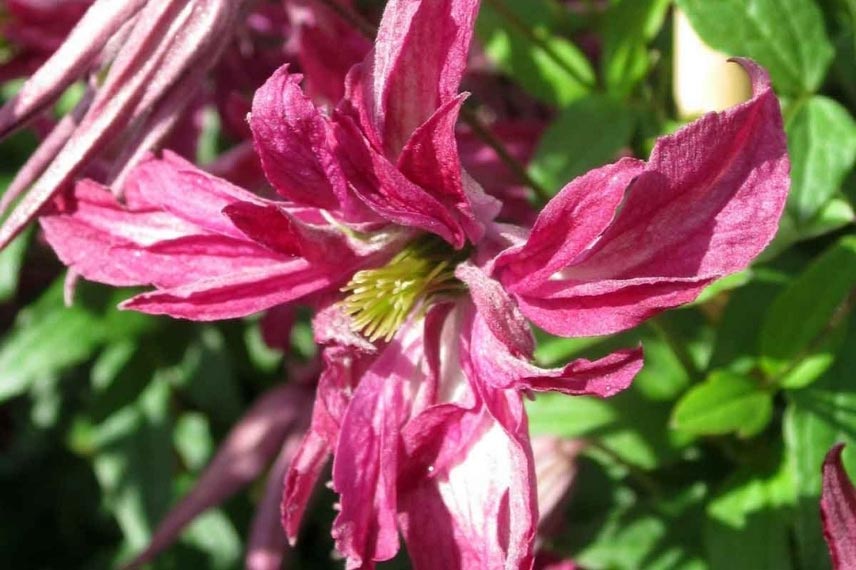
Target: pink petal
[(246, 452), (300, 481), (478, 513), (430, 159), (106, 243), (497, 310), (365, 468), (291, 139), (331, 325), (342, 368), (838, 511), (385, 189), (476, 508), (568, 225), (281, 231), (416, 66), (604, 307), (236, 294), (179, 187), (704, 206), (499, 368), (710, 198)]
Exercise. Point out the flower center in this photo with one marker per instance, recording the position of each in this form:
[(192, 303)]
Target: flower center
[(380, 300)]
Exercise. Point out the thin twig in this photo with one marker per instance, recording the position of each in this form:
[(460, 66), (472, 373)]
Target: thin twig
[(483, 132)]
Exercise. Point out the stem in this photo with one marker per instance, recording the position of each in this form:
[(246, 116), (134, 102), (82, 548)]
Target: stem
[(370, 30)]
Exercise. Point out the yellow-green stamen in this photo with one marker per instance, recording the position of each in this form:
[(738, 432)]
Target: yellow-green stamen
[(381, 299)]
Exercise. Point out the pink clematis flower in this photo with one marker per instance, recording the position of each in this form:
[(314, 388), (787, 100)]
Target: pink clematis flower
[(838, 511), (425, 298)]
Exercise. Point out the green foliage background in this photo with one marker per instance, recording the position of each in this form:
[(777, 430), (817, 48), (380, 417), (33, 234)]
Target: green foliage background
[(710, 461)]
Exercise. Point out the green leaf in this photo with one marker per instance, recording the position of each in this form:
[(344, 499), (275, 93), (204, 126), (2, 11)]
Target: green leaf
[(214, 535), (629, 425), (46, 338), (726, 402), (802, 312), (633, 424), (834, 215), (556, 414), (736, 345), (588, 133), (822, 146), (747, 525), (785, 36), (812, 366), (727, 283), (654, 535), (193, 441), (817, 418), (548, 66), (11, 259), (628, 27), (208, 376), (132, 458)]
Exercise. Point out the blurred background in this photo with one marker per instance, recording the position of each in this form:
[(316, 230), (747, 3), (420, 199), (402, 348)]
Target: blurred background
[(710, 461)]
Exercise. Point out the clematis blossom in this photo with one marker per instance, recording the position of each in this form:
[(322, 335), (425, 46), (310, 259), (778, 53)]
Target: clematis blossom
[(425, 300), (838, 511)]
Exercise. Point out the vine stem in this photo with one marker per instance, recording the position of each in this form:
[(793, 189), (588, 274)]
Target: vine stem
[(479, 129)]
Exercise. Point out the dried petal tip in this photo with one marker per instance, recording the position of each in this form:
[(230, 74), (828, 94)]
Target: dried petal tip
[(838, 511)]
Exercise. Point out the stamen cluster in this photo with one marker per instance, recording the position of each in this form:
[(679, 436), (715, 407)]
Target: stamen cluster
[(381, 299)]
